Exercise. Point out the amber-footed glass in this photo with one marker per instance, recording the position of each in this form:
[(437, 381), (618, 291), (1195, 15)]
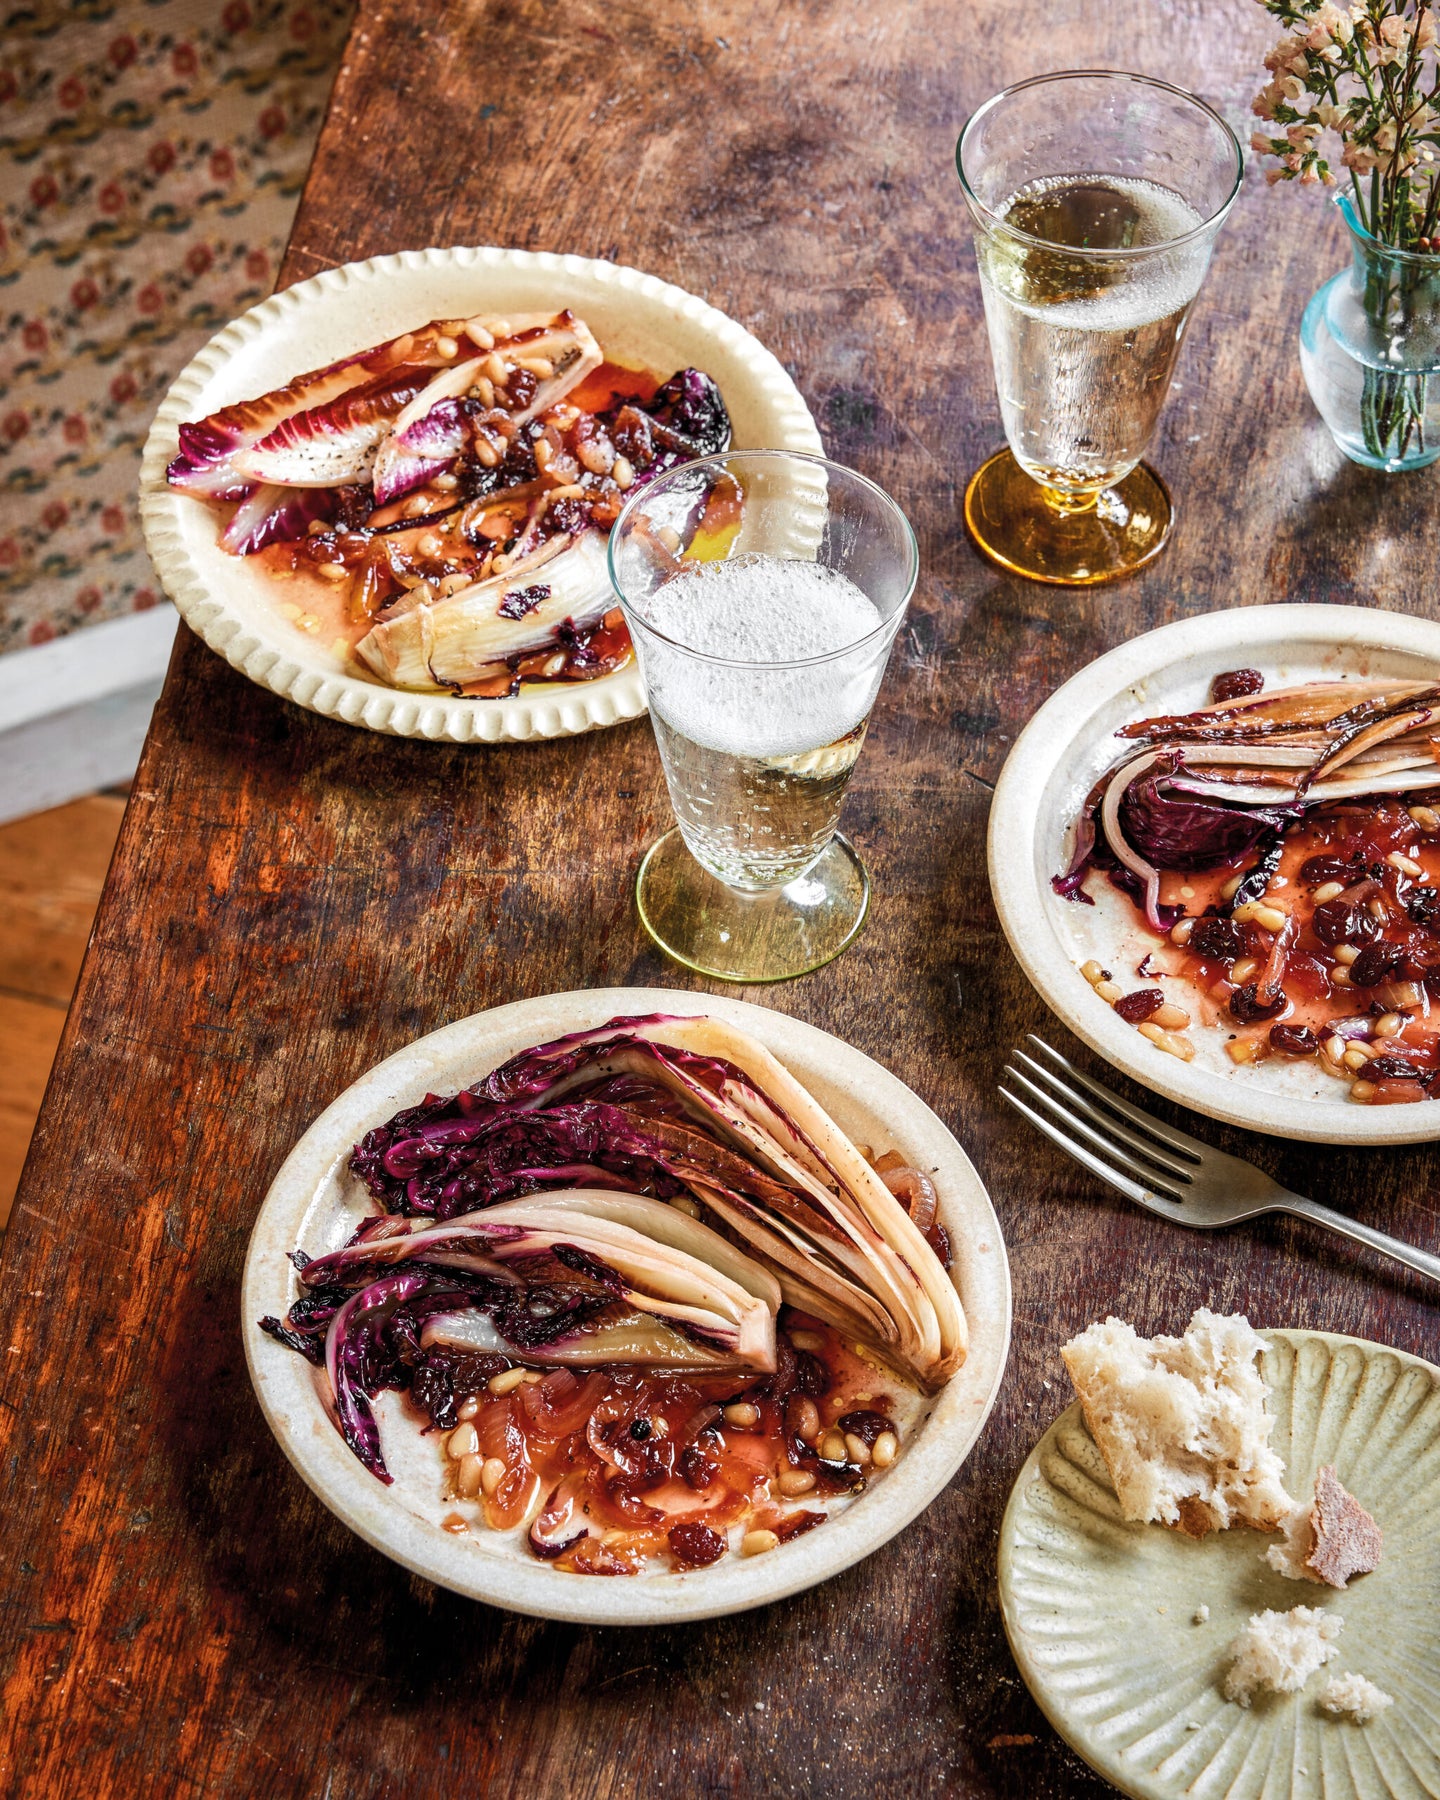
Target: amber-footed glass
[(1095, 199)]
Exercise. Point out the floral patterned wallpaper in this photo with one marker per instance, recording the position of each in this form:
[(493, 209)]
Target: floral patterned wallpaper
[(151, 156)]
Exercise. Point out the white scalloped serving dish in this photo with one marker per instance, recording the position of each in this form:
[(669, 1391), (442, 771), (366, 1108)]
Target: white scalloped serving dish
[(314, 1203), (233, 604)]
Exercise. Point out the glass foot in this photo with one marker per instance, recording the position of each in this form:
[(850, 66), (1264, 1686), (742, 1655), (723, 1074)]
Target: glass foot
[(751, 937), (1015, 525)]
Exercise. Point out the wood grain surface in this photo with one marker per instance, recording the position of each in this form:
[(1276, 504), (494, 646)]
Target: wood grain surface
[(293, 899)]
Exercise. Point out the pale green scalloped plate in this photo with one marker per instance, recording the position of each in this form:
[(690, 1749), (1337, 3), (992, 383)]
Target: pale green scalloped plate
[(1101, 1614)]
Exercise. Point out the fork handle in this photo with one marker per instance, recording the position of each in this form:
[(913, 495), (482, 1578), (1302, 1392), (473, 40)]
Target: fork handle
[(1408, 1254)]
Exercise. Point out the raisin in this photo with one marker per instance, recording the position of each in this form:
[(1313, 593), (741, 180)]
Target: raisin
[(1219, 938), (1423, 906), (1392, 1068), (695, 1546), (1431, 978), (697, 1470), (1376, 963), (867, 1426), (1246, 1006), (811, 1375), (1293, 1040), (1340, 922), (1139, 1005), (1316, 870), (521, 386), (1235, 684)]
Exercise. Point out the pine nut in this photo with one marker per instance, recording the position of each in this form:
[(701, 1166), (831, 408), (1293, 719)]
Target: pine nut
[(446, 482), (795, 1481), (531, 1378), (856, 1449), (506, 1381), (1425, 817), (478, 335), (544, 453), (1340, 976), (1405, 864), (1245, 969), (1376, 909), (806, 1419), (1167, 1041), (446, 347), (1180, 931), (485, 452), (1389, 1025), (431, 545), (334, 571), (1231, 887), (1092, 972), (756, 1543), (415, 506), (454, 584), (402, 346), (1355, 1058), (1346, 953), (1109, 991), (468, 1407), (493, 369), (885, 1449), (1334, 1048), (1269, 917), (622, 472), (485, 391), (1362, 1090), (1240, 1050), (568, 490), (742, 1415), (1332, 890), (1171, 1018), (683, 1203), (464, 1440), (832, 1447), (491, 1475), (539, 366), (596, 458), (659, 1425), (468, 1477), (807, 1340)]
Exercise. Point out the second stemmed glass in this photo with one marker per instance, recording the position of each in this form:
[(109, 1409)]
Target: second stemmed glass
[(763, 590), (1095, 198)]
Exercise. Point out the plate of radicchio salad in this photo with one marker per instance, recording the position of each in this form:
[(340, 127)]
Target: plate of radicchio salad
[(632, 1283), (386, 492), (1216, 853)]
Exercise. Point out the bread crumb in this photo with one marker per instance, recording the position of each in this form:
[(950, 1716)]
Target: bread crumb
[(1202, 1614), (1181, 1422), (1329, 1540), (1281, 1651), (1355, 1696)]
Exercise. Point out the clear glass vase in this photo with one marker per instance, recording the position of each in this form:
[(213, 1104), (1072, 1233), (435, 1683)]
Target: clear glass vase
[(1370, 352)]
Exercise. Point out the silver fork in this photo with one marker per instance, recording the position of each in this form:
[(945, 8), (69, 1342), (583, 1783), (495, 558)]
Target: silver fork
[(1164, 1170)]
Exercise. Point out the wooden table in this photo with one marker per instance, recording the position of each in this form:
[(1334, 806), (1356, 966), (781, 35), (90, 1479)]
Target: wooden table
[(293, 899)]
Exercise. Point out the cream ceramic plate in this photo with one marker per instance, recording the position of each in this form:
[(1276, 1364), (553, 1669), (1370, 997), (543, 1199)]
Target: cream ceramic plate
[(1055, 763), (1101, 1614), (231, 603), (314, 1203)]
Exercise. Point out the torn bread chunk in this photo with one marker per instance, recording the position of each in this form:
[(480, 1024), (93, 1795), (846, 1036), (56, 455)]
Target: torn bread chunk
[(1354, 1697), (1181, 1423), (1329, 1540), (1278, 1652)]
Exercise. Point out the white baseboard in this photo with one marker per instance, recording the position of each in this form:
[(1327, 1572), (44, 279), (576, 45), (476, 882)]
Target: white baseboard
[(73, 713)]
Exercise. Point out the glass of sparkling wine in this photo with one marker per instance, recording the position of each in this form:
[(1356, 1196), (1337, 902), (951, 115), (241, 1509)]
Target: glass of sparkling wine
[(1095, 199), (763, 590)]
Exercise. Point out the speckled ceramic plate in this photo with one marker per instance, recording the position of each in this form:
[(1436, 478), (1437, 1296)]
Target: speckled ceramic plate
[(1101, 1614), (314, 1203), (232, 603), (1055, 763)]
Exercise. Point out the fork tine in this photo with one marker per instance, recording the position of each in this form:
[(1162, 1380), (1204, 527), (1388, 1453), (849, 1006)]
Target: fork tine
[(1077, 1103), (1163, 1134), (1132, 1190), (1155, 1184)]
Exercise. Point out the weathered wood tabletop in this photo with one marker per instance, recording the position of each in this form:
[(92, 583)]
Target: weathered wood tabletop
[(293, 899)]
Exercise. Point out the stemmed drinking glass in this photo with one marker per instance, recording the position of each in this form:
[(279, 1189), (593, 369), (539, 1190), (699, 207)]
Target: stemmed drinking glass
[(1095, 198), (763, 590)]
